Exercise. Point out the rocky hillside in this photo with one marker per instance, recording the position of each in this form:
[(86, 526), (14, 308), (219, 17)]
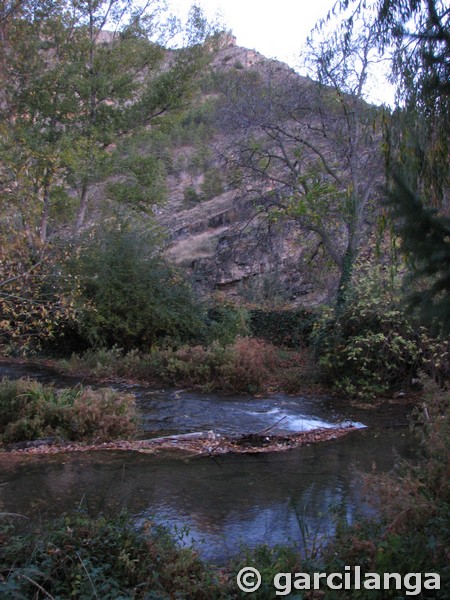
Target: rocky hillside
[(213, 231)]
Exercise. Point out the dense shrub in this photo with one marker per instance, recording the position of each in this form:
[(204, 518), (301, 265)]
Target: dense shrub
[(30, 410), (129, 295), (109, 362), (212, 185), (245, 366), (224, 323), (33, 309), (371, 346), (190, 196), (368, 346), (82, 557), (290, 328)]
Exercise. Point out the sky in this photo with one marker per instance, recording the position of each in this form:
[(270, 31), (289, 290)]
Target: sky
[(275, 28)]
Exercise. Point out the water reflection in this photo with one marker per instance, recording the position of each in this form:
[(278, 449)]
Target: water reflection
[(232, 499)]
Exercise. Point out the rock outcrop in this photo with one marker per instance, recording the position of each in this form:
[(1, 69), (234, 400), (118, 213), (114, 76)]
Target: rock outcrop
[(219, 241)]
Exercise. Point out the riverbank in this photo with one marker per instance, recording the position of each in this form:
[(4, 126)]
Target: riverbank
[(236, 493), (112, 556), (247, 365), (295, 374)]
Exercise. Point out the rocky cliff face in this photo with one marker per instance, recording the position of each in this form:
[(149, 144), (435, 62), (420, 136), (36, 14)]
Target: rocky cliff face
[(218, 239)]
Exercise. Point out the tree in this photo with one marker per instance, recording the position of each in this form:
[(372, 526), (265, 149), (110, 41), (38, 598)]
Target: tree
[(77, 77), (309, 150), (416, 34), (417, 143), (72, 88)]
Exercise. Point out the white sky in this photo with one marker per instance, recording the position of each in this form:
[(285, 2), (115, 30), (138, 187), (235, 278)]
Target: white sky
[(275, 28)]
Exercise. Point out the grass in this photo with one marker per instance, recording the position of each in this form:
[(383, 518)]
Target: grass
[(102, 558), (248, 365), (30, 410)]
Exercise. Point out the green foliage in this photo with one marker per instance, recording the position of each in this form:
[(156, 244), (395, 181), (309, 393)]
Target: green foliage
[(82, 557), (201, 159), (224, 323), (72, 91), (29, 411), (368, 347), (140, 183), (426, 242), (190, 195), (33, 308), (417, 138), (290, 328), (268, 561), (194, 124), (212, 185), (129, 295)]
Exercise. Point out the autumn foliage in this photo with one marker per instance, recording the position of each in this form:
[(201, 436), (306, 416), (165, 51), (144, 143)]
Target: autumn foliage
[(32, 308)]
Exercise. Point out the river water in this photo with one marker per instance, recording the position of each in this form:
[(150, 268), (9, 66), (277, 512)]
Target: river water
[(219, 503)]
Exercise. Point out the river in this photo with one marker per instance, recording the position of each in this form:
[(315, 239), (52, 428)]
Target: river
[(219, 503)]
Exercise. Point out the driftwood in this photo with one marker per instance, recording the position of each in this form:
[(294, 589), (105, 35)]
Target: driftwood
[(199, 443), (183, 436)]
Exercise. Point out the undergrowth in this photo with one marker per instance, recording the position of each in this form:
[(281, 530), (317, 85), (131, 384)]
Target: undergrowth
[(370, 347), (30, 410), (92, 558), (247, 365), (412, 533)]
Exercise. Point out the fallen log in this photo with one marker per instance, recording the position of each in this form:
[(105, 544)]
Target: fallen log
[(210, 435)]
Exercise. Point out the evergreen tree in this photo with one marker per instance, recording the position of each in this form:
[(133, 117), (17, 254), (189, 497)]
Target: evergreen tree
[(426, 241)]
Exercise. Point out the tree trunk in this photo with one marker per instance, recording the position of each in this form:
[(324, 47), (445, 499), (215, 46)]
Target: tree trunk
[(44, 216), (348, 265), (81, 216)]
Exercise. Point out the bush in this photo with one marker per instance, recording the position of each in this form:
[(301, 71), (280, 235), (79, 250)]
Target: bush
[(371, 346), (368, 347), (82, 557), (30, 410), (212, 185), (224, 323), (247, 365), (290, 328), (130, 296), (243, 367), (190, 195), (254, 361), (33, 308)]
